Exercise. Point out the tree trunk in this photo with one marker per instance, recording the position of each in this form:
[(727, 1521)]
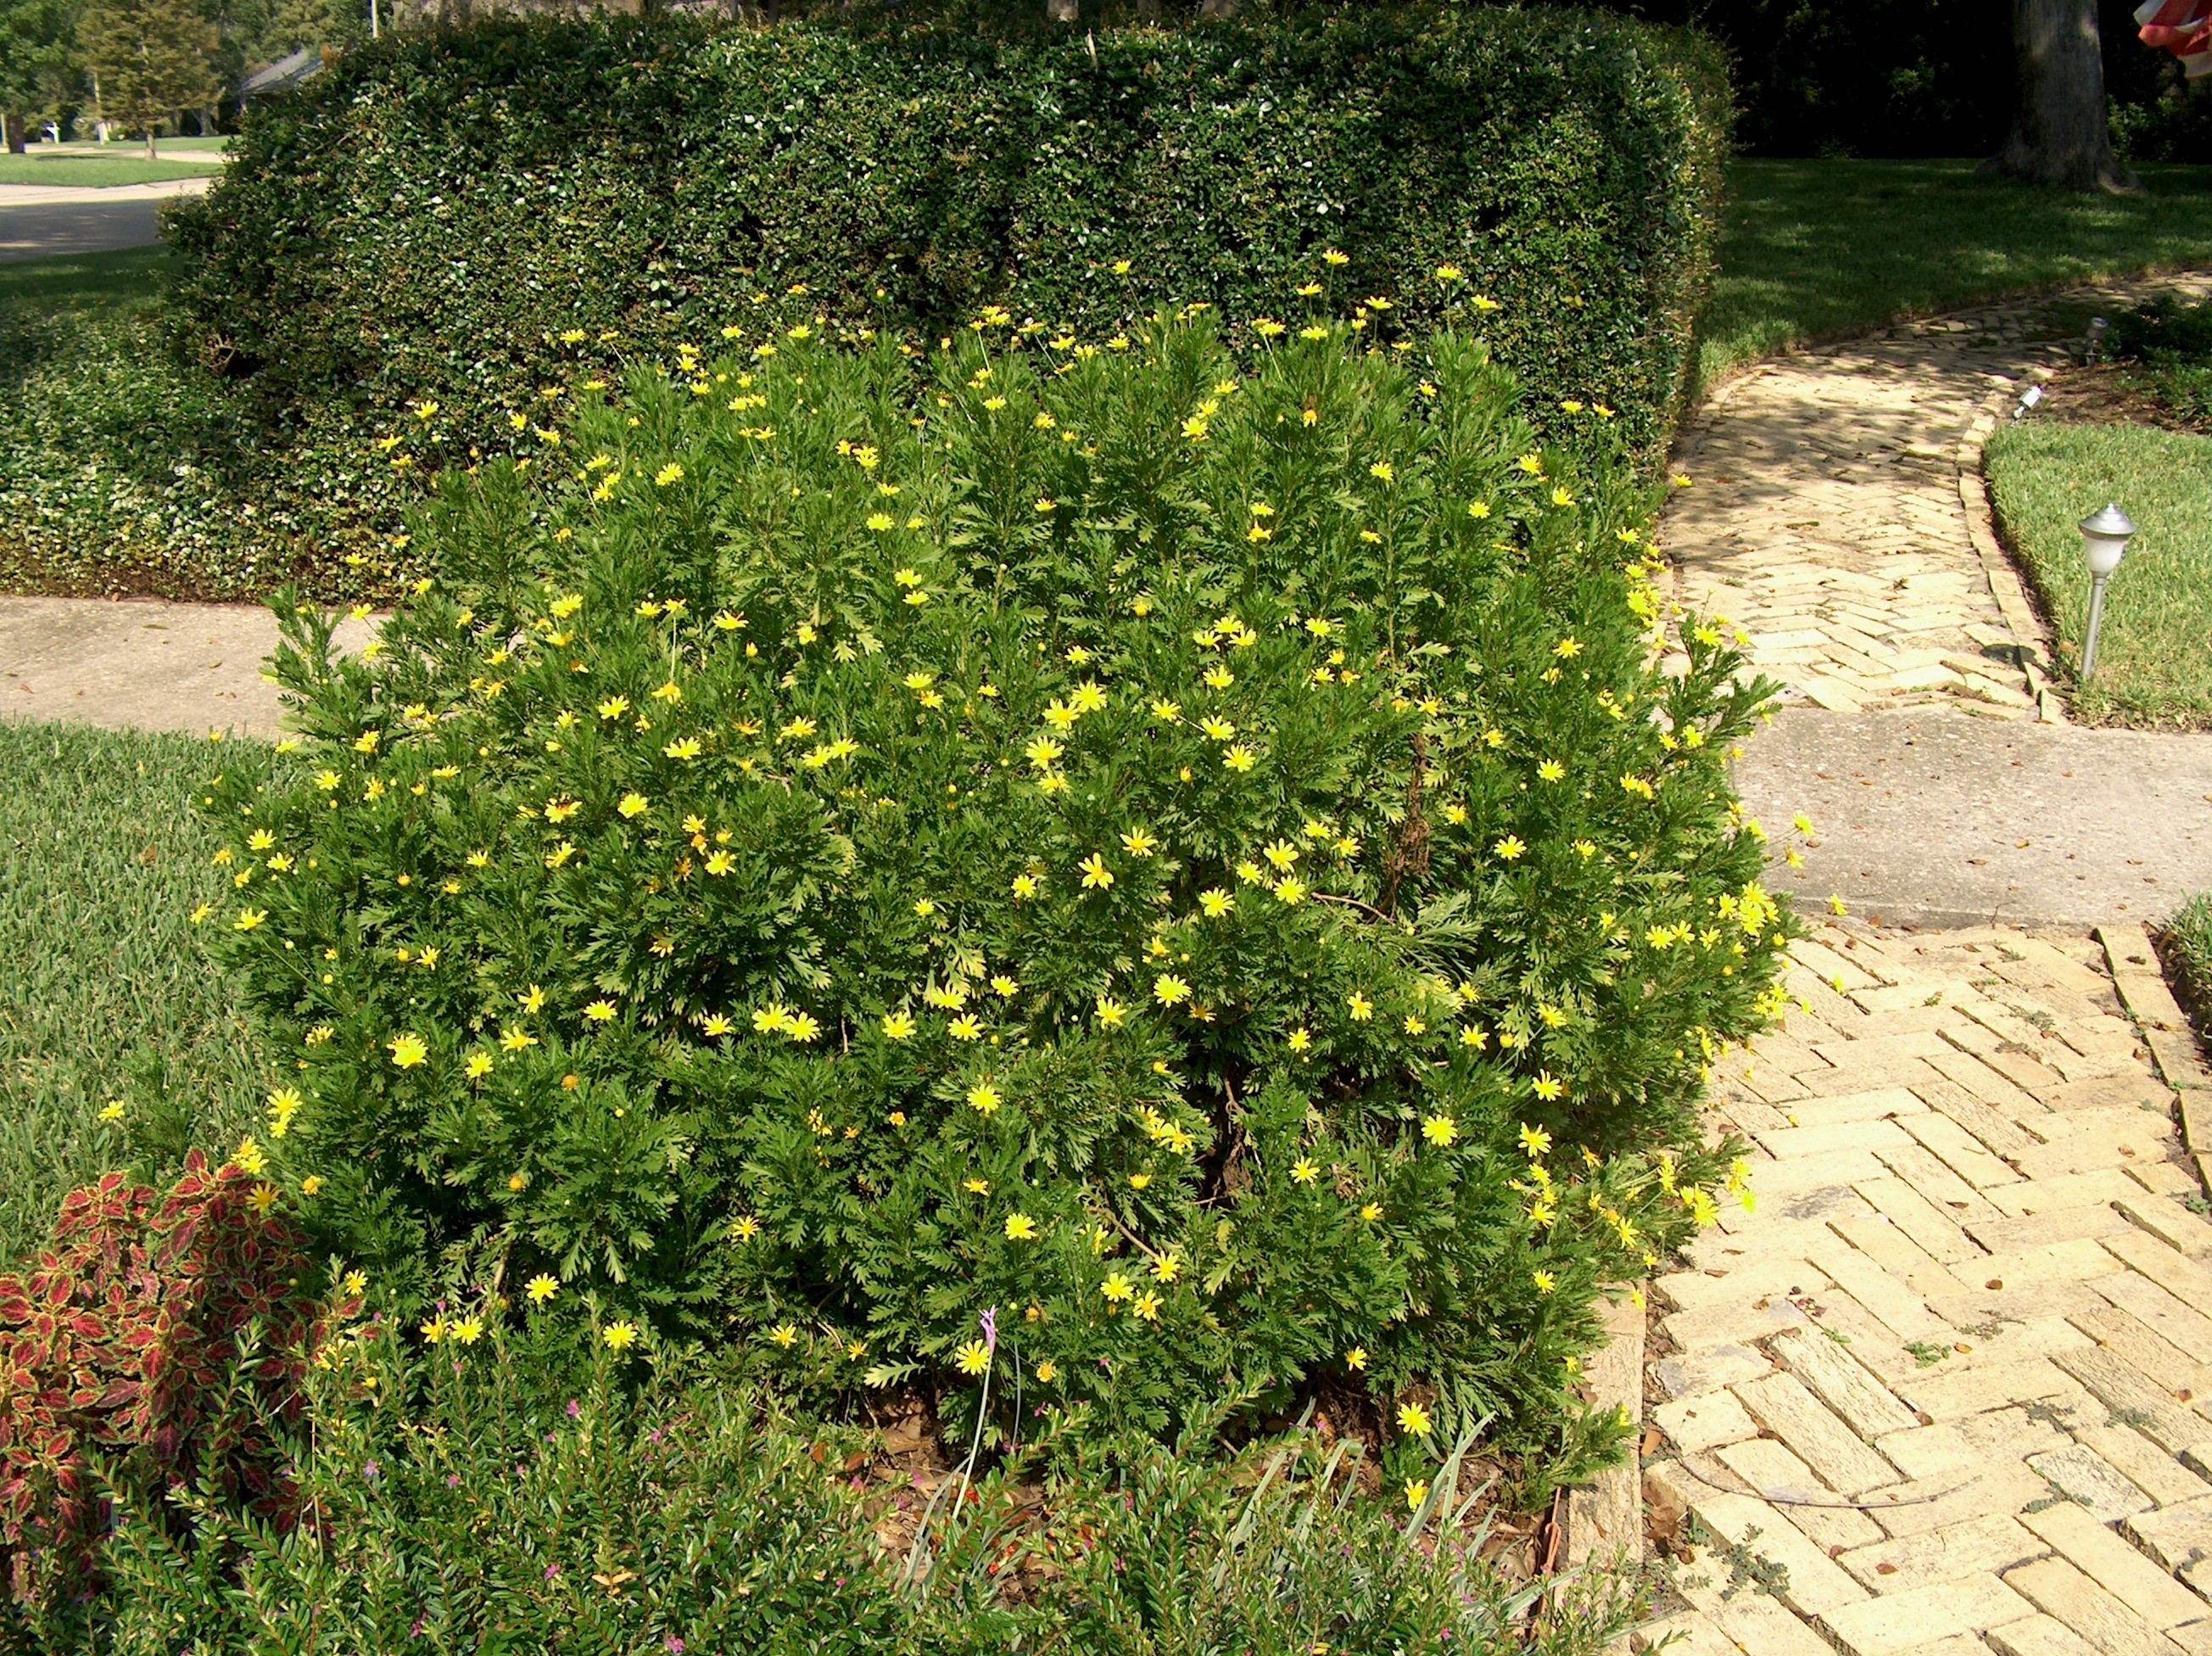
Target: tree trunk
[(2061, 136), (14, 126), (150, 156)]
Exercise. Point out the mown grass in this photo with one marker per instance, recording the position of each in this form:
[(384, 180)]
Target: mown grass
[(104, 996), (2154, 653), (1813, 250), (214, 144), (131, 276), (78, 172)]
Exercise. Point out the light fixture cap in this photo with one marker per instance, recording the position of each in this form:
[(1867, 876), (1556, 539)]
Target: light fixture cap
[(2110, 523)]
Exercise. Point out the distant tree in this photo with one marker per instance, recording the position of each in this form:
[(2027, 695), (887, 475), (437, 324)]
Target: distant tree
[(2062, 136), (296, 23), (149, 58), (37, 71)]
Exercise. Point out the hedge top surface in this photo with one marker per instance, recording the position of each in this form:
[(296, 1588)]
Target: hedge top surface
[(427, 217)]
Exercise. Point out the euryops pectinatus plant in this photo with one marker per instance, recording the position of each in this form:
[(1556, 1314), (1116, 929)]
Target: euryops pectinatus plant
[(1101, 871)]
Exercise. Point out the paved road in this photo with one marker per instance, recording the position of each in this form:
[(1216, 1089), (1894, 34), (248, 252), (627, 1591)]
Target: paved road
[(39, 221)]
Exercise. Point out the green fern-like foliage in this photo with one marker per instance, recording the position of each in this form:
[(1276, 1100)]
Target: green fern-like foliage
[(1096, 875)]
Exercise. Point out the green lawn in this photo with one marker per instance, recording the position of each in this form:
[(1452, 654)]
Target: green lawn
[(2155, 655), (1814, 250), (76, 281), (76, 171), (104, 996), (214, 146)]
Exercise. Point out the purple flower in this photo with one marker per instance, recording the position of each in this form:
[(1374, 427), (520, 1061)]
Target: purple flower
[(370, 1469), (990, 1320), (675, 1645), (575, 1410), (552, 1570), (452, 1480)]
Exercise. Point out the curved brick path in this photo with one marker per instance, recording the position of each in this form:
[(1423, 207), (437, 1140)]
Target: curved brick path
[(1948, 1389), (1836, 513)]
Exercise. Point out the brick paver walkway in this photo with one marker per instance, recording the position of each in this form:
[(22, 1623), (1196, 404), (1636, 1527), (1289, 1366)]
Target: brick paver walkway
[(1949, 1388), (1836, 513)]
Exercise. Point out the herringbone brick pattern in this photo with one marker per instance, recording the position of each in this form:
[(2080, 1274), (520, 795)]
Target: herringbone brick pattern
[(1836, 513), (1949, 1388)]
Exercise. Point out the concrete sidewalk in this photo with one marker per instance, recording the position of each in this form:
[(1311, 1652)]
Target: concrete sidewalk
[(56, 195), (1931, 818), (38, 221), (142, 664)]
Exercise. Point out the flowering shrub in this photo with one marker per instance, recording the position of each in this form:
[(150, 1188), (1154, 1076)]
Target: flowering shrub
[(1112, 876), (123, 1342)]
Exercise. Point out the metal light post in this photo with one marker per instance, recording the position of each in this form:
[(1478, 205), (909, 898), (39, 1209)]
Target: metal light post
[(2105, 537)]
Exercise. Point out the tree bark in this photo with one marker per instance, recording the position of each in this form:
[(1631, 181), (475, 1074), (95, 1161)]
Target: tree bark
[(14, 126), (2061, 138)]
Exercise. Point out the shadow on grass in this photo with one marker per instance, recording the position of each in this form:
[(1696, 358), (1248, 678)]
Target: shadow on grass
[(1819, 250)]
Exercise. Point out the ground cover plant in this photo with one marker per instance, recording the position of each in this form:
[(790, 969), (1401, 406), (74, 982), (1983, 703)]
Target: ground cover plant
[(124, 469), (469, 1500), (118, 1045), (2044, 476), (2164, 348), (1818, 250), (1102, 877)]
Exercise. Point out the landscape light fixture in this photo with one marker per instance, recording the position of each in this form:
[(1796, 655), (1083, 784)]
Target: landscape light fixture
[(2105, 537), (2028, 400)]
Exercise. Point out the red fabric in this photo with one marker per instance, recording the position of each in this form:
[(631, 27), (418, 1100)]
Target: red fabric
[(2183, 27)]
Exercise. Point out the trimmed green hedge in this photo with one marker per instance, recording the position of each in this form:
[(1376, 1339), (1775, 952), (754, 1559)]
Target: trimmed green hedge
[(429, 219)]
